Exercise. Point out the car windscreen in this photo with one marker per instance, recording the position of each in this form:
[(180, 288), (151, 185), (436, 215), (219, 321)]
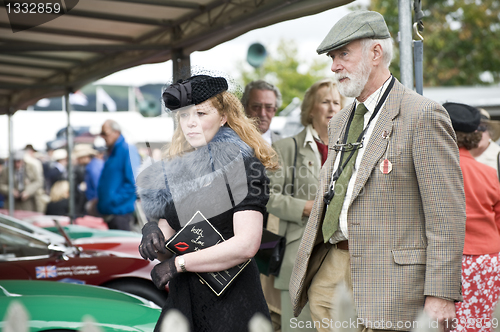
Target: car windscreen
[(15, 244), (32, 229)]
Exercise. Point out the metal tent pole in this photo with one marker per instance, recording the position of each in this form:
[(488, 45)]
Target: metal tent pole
[(181, 65), (11, 164), (418, 47), (69, 147), (419, 66), (405, 43)]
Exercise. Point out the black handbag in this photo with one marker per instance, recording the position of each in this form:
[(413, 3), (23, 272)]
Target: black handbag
[(271, 252), (199, 234), (272, 246)]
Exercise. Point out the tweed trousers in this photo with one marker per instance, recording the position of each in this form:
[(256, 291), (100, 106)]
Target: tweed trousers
[(334, 271)]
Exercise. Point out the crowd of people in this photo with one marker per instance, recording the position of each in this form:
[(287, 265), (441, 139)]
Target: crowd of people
[(393, 195), (104, 180)]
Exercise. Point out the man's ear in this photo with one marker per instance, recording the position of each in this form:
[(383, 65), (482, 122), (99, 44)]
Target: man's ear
[(378, 53)]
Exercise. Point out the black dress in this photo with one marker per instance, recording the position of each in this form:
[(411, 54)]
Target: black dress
[(59, 208), (234, 184)]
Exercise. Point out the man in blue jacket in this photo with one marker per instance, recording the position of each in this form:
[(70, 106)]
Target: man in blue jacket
[(116, 188)]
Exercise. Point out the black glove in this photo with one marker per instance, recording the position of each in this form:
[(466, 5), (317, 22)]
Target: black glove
[(152, 242), (164, 272)]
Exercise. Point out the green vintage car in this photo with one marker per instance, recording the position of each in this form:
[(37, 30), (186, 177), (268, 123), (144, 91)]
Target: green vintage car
[(54, 306)]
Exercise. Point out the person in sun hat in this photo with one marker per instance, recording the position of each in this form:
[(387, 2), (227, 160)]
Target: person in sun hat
[(58, 170), (92, 166), (481, 257), (216, 165), (389, 220), (487, 151)]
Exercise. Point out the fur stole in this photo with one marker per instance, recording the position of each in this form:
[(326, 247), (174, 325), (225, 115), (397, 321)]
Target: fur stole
[(172, 181)]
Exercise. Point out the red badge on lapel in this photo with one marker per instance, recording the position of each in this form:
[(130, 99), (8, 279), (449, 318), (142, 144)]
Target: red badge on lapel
[(386, 166)]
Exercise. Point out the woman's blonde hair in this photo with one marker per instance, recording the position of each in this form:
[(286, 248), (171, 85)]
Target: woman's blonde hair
[(229, 105), (310, 99), (59, 191)]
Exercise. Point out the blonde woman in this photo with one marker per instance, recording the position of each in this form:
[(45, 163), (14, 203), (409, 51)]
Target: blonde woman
[(216, 165), (301, 158), (59, 199)]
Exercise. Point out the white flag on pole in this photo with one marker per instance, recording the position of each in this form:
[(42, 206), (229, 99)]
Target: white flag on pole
[(102, 98)]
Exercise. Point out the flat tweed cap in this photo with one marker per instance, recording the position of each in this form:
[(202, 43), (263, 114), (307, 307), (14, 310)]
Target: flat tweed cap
[(356, 25), (463, 117)]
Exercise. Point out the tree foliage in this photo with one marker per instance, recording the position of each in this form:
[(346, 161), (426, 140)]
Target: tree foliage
[(461, 40), (282, 70)]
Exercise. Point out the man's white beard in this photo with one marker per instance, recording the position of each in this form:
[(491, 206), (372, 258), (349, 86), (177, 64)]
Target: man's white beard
[(356, 81)]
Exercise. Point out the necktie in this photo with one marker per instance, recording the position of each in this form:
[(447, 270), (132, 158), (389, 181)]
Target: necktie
[(331, 222)]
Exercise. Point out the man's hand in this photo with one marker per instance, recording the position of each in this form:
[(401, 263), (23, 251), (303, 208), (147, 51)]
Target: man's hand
[(442, 310), (24, 196)]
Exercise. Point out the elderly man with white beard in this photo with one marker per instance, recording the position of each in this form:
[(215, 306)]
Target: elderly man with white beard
[(389, 219)]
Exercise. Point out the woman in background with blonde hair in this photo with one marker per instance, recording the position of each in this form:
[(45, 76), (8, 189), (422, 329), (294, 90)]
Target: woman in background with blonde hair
[(294, 186), (59, 199), (215, 165)]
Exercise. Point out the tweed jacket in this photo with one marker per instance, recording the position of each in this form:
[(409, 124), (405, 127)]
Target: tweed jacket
[(406, 228), (289, 209), (33, 181)]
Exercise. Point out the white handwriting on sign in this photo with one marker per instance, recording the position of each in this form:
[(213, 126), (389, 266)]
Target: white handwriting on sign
[(197, 231), (197, 241)]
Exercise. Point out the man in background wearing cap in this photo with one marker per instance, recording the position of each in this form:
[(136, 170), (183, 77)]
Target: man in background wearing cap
[(29, 156), (487, 151), (27, 181), (116, 189), (391, 227), (261, 100), (481, 254), (41, 198)]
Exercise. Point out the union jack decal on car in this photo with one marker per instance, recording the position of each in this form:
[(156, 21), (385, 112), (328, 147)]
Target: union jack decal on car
[(46, 272)]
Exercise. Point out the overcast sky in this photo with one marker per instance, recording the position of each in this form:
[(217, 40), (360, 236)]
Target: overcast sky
[(307, 33)]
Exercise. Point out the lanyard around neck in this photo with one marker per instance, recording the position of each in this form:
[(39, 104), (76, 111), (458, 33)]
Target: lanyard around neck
[(329, 195)]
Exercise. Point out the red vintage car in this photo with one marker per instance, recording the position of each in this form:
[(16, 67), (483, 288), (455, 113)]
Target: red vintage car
[(31, 255), (41, 220)]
